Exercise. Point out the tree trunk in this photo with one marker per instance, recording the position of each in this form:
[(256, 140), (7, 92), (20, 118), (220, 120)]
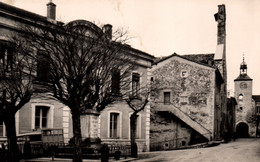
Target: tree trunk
[(133, 119), (13, 150), (77, 139), (257, 125)]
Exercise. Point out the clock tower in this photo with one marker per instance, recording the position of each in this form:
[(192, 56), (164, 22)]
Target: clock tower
[(243, 95)]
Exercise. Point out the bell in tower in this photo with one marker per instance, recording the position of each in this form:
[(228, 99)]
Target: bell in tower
[(243, 67)]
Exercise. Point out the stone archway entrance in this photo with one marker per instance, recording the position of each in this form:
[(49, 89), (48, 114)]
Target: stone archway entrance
[(242, 130)]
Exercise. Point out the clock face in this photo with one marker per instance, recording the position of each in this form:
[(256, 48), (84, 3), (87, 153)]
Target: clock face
[(243, 85)]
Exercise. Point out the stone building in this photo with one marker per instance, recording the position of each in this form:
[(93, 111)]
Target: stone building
[(189, 99), (111, 125), (185, 103), (247, 112)]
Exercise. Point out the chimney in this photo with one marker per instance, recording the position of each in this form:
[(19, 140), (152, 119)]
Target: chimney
[(107, 30), (51, 10)]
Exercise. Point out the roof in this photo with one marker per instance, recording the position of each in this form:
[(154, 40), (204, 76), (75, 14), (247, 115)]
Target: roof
[(243, 77), (203, 59), (22, 13), (18, 13), (141, 53)]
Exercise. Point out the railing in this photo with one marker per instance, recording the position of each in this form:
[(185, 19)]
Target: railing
[(64, 150), (124, 149)]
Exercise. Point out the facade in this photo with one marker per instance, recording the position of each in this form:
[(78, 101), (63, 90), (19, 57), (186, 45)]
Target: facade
[(257, 114), (110, 125), (247, 104), (185, 103), (115, 119), (42, 111), (189, 102)]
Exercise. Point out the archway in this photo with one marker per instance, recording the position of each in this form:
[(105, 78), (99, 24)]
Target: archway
[(242, 130)]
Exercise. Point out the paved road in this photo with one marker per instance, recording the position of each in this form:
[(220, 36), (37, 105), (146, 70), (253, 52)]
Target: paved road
[(242, 150)]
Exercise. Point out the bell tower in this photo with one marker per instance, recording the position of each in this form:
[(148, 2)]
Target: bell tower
[(243, 95)]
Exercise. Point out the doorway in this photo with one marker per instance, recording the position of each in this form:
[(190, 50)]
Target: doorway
[(242, 130)]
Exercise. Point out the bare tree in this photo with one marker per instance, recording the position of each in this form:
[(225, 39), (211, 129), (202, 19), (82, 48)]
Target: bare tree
[(137, 101), (16, 77), (85, 68)]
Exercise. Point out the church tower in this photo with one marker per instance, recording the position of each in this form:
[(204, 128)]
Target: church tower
[(243, 95)]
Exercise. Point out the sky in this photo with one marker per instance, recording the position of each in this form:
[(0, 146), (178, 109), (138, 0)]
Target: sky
[(162, 27)]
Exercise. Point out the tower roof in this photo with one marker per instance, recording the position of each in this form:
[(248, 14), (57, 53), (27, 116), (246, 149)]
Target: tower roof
[(243, 65), (242, 77), (243, 72)]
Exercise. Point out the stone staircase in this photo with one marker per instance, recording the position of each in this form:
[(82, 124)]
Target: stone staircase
[(186, 119)]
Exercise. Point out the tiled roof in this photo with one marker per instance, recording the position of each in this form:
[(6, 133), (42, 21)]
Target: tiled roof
[(242, 77), (205, 59), (200, 58)]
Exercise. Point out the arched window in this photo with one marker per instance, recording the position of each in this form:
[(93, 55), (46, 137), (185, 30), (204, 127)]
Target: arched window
[(240, 97)]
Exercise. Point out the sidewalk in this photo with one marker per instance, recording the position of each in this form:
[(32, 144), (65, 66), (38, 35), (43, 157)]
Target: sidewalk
[(49, 159), (141, 155)]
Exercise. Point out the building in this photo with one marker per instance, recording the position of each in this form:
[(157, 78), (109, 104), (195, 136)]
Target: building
[(257, 115), (115, 119), (247, 112), (186, 102), (110, 125), (189, 99)]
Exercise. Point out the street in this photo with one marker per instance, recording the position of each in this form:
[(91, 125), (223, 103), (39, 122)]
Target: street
[(241, 150)]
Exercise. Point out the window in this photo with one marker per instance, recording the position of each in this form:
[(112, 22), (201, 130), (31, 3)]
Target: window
[(240, 97), (257, 109), (184, 74), (137, 128), (241, 108), (183, 100), (43, 68), (114, 122), (115, 81), (1, 128), (41, 116), (6, 58), (135, 84), (167, 97)]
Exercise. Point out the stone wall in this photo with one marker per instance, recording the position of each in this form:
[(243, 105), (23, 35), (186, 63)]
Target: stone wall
[(193, 94), (192, 91), (245, 104)]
